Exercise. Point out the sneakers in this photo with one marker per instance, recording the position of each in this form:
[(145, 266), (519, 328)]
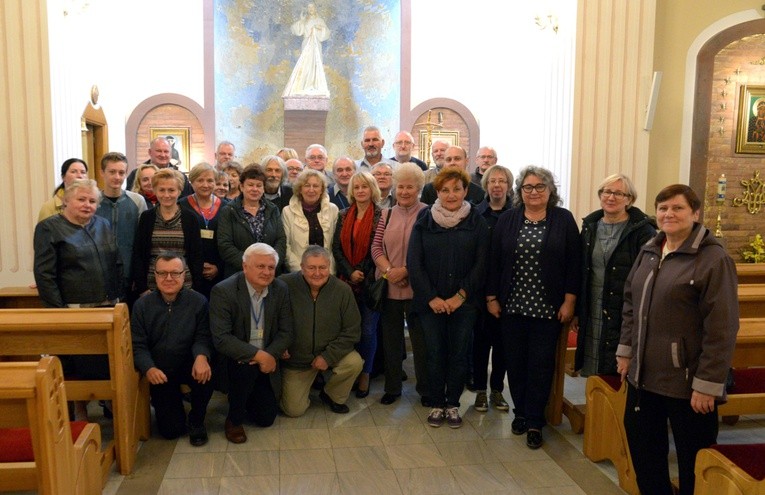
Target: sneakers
[(534, 439), (481, 403), (453, 417), (497, 401), (519, 426), (436, 417)]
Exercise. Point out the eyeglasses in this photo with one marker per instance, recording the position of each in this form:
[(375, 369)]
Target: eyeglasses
[(173, 275), (316, 157), (403, 143), (538, 188), (616, 194), (382, 174), (486, 157), (294, 169), (497, 181)]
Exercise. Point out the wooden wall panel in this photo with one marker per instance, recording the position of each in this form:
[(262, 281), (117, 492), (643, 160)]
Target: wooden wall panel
[(25, 132), (614, 69)]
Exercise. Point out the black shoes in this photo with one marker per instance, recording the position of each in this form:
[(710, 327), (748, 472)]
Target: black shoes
[(519, 426), (534, 439), (334, 406), (426, 402), (388, 399), (197, 435), (360, 394)]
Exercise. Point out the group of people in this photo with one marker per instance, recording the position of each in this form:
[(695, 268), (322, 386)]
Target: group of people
[(476, 266)]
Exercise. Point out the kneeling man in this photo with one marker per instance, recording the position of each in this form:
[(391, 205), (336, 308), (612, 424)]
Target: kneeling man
[(327, 326), (252, 326), (172, 346)]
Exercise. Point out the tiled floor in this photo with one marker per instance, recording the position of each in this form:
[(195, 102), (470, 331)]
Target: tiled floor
[(381, 449)]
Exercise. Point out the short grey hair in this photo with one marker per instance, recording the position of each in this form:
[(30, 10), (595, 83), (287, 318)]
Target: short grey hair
[(309, 148), (409, 171), (81, 184), (260, 248), (314, 250)]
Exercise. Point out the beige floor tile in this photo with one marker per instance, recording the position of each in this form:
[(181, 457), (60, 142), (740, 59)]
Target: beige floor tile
[(357, 417), (537, 474), (308, 484), (427, 480), (203, 465), (251, 463), (397, 414), (405, 434), (558, 490), (368, 483), (513, 449), (445, 434), (262, 485), (257, 439), (359, 436), (472, 452), (361, 459), (494, 428), (314, 417), (217, 443), (306, 461), (309, 438), (414, 456), (189, 486), (486, 478)]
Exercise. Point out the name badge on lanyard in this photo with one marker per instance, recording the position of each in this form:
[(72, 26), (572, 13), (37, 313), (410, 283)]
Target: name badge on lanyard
[(207, 233)]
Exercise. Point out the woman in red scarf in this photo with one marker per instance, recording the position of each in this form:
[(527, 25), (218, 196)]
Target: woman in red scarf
[(352, 249)]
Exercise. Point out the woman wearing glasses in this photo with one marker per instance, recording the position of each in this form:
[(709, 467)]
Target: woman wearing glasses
[(611, 240), (532, 287)]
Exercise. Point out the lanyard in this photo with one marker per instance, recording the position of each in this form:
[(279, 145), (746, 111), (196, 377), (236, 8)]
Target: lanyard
[(259, 314), (202, 211)]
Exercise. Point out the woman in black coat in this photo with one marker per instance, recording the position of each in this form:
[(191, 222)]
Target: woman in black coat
[(611, 239)]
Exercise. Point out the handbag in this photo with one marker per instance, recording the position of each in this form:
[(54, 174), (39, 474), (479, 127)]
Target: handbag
[(377, 291)]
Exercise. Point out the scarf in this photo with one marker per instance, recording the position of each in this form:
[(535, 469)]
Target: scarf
[(356, 239), (448, 219), (151, 198)]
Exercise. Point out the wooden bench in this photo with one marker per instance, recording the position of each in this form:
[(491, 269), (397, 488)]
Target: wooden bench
[(33, 406), (751, 300), (751, 273), (20, 297), (731, 470), (604, 436), (88, 331)]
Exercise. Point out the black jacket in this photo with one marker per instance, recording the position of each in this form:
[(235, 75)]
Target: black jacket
[(74, 264), (639, 229)]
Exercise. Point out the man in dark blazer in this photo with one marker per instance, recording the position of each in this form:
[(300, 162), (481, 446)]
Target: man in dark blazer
[(251, 323)]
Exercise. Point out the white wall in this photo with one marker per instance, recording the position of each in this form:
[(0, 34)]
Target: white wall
[(516, 78), (130, 50)]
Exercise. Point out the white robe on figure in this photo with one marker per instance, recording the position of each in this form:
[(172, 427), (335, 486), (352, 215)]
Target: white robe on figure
[(308, 77)]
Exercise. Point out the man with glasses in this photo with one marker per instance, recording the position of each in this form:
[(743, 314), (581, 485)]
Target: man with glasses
[(403, 146), (327, 327), (485, 158), (172, 346), (383, 174), (455, 156), (294, 167), (316, 158), (252, 327)]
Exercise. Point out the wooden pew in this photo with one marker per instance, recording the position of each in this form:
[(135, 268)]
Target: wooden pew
[(88, 331), (19, 297), (604, 436), (751, 300), (751, 273), (749, 365), (33, 398), (729, 470)]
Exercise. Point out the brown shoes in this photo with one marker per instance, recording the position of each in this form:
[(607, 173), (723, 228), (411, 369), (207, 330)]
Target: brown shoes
[(235, 434)]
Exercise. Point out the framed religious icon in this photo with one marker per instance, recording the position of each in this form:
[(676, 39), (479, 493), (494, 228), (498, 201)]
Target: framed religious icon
[(750, 137), (180, 146)]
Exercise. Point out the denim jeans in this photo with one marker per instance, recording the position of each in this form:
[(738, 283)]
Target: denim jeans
[(367, 346), (447, 340)]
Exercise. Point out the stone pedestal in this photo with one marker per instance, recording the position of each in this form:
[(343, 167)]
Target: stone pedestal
[(305, 121)]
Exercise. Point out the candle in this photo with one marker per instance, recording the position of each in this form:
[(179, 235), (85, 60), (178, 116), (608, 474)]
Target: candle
[(722, 185)]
